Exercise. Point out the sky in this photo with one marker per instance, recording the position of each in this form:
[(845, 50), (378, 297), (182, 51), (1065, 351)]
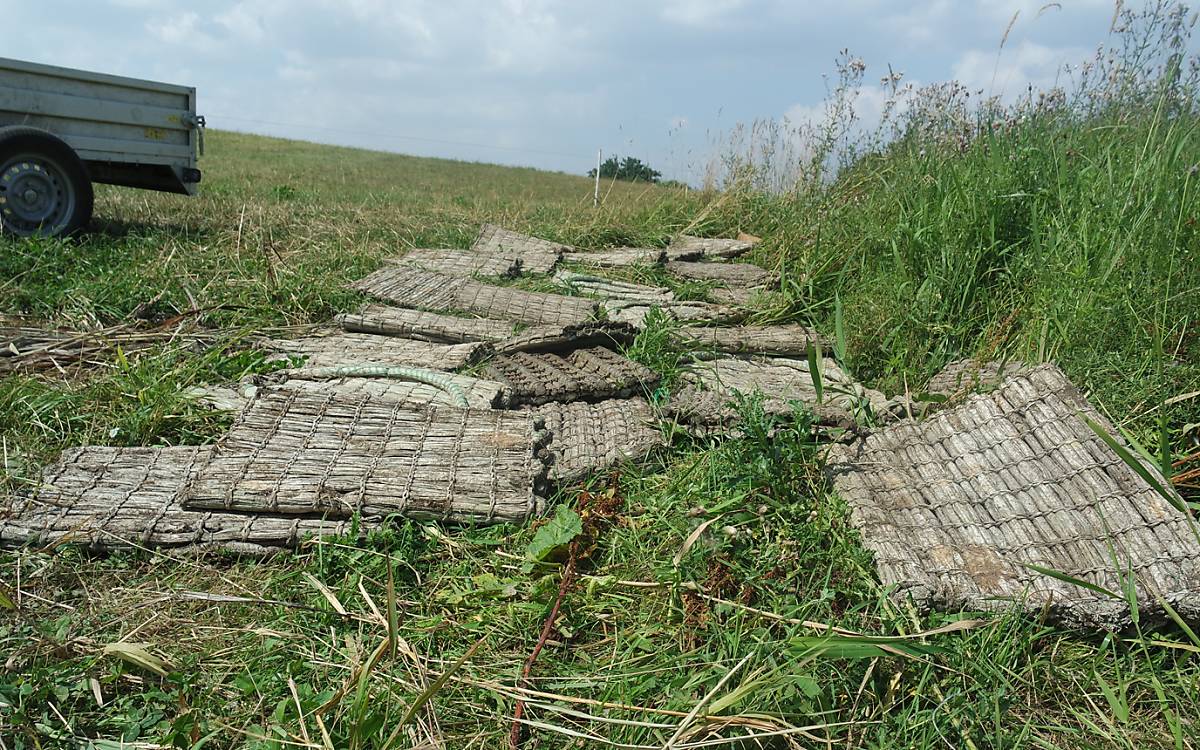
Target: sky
[(544, 83)]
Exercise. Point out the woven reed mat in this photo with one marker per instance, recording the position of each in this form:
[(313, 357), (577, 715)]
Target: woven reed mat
[(708, 389), (462, 263), (620, 257), (535, 255), (597, 286), (968, 375), (562, 338), (114, 498), (634, 312), (333, 348), (480, 394), (957, 507), (737, 296), (685, 245), (591, 374), (424, 326), (590, 438), (729, 274), (304, 453), (792, 339), (426, 290)]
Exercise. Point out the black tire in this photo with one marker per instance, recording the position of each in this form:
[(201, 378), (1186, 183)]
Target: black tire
[(44, 186)]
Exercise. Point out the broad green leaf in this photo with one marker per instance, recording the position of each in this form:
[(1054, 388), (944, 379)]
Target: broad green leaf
[(6, 601), (555, 534)]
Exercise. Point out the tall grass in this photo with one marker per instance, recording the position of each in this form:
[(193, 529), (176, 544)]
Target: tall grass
[(1063, 225)]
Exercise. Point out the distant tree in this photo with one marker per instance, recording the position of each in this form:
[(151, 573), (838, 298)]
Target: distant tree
[(629, 168)]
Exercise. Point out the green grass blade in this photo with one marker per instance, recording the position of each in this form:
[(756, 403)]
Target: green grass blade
[(1133, 463)]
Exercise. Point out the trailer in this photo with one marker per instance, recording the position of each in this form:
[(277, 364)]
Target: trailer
[(63, 129)]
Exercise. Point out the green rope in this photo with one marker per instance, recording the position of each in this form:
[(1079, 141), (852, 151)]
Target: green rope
[(439, 380)]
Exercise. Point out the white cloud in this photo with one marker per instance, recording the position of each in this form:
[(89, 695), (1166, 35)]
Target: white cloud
[(243, 21), (699, 12), (1014, 69)]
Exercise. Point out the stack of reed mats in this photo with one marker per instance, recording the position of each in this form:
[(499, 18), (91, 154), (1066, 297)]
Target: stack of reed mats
[(995, 499)]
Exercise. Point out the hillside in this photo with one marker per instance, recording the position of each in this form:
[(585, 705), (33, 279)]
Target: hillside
[(731, 571)]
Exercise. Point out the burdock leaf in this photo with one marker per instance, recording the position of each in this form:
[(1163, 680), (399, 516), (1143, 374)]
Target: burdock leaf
[(555, 535)]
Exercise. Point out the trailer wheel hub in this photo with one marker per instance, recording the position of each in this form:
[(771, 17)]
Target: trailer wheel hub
[(34, 194)]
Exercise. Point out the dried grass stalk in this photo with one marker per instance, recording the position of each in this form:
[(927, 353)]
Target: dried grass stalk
[(112, 498), (308, 453), (956, 509)]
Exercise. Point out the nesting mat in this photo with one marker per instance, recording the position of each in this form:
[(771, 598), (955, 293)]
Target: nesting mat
[(710, 387), (423, 326), (957, 507), (793, 339), (701, 247), (596, 437), (479, 394), (730, 274), (591, 374), (308, 453), (462, 263), (620, 257), (968, 375), (561, 338), (334, 348), (535, 255), (112, 498), (426, 290), (634, 312)]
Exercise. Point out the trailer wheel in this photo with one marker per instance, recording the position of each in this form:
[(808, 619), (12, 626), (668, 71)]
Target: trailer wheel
[(44, 186)]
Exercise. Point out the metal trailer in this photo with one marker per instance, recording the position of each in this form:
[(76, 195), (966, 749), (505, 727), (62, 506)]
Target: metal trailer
[(63, 129)]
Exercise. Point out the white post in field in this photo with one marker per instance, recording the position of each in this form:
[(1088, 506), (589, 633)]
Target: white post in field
[(596, 195)]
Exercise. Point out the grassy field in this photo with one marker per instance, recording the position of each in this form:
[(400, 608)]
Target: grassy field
[(1064, 231)]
